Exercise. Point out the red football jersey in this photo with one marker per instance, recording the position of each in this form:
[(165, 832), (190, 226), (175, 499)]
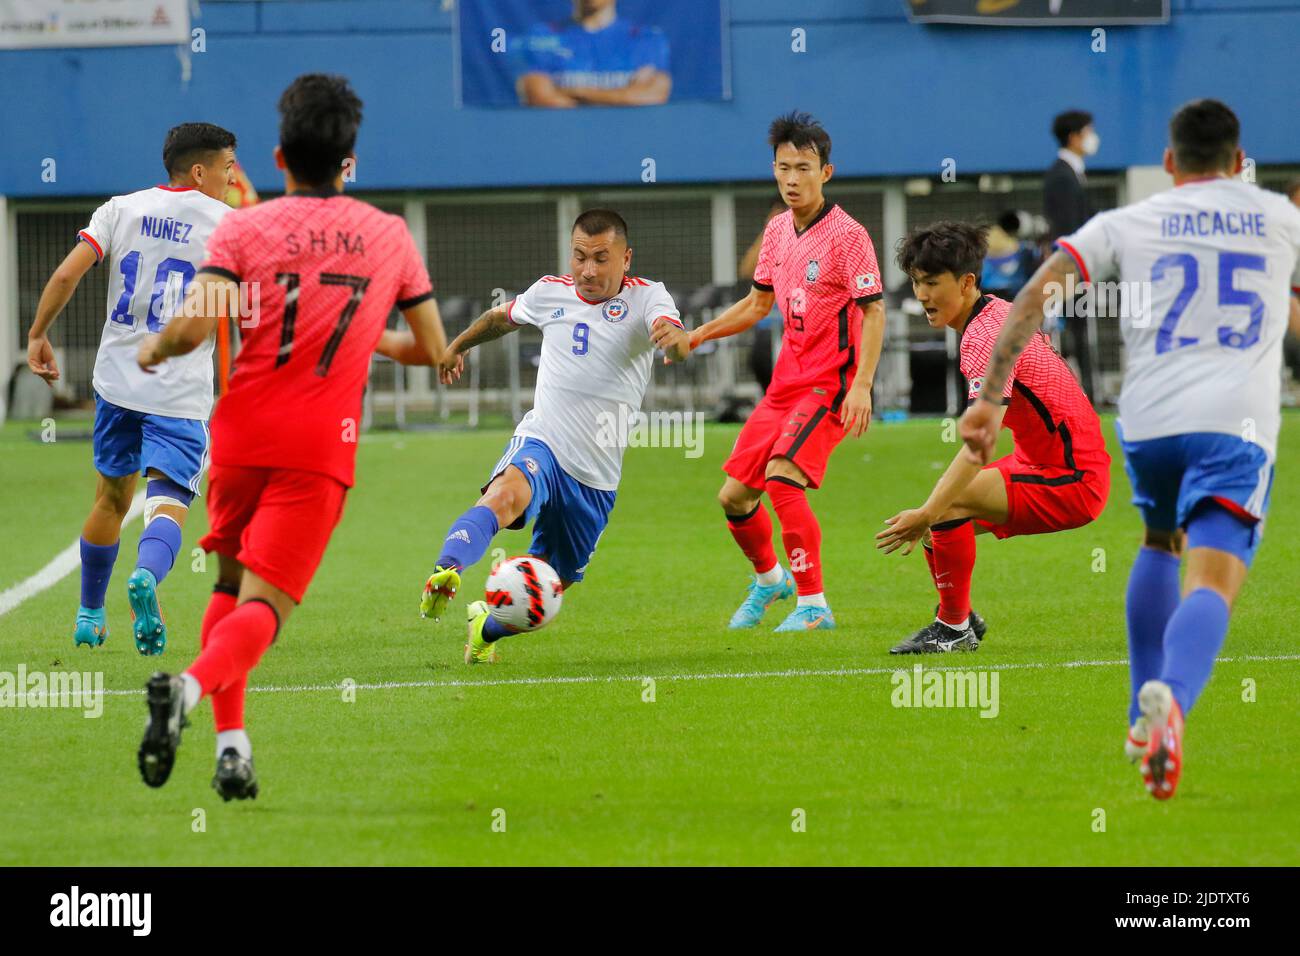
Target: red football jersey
[(1051, 418), (819, 276), (328, 270)]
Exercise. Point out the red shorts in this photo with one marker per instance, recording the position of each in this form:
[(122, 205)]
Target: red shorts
[(806, 432), (1045, 498), (274, 521)]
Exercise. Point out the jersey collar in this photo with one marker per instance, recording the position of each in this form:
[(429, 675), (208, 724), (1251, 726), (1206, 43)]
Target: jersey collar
[(321, 192), (980, 305), (175, 189), (826, 211)]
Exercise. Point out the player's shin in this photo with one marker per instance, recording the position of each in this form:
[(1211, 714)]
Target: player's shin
[(96, 568), (161, 540), (802, 536), (235, 646), (468, 538), (1150, 602), (954, 563), (1191, 642), (753, 534)]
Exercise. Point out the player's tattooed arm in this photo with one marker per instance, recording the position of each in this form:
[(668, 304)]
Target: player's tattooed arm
[(211, 297), (856, 411), (979, 426), (672, 338), (745, 314)]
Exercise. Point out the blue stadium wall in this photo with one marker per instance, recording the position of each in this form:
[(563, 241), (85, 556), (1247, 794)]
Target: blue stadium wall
[(897, 97)]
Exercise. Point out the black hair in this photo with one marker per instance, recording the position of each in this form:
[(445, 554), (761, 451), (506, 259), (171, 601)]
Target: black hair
[(319, 117), (1009, 222), (946, 246), (801, 131), (1068, 123), (1292, 188), (1203, 135), (192, 143), (596, 222)]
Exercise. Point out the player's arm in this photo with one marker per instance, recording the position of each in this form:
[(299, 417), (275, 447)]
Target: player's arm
[(648, 87), (672, 338), (856, 410), (979, 426), (908, 527), (492, 324), (1295, 315), (538, 89), (211, 297), (424, 344), (58, 290), (743, 315)]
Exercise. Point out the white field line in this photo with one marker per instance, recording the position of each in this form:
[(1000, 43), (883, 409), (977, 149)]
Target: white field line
[(736, 675), (64, 563)]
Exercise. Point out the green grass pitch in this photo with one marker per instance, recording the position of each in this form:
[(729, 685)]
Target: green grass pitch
[(555, 756)]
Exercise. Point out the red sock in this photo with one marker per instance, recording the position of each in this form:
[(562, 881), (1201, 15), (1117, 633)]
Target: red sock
[(228, 704), (235, 646), (954, 560), (929, 558), (753, 532), (800, 533), (219, 605)]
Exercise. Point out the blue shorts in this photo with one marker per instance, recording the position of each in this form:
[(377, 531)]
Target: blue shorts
[(568, 516), (1174, 474), (127, 442)]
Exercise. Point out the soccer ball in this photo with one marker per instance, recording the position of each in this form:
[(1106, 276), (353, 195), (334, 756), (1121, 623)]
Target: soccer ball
[(524, 594)]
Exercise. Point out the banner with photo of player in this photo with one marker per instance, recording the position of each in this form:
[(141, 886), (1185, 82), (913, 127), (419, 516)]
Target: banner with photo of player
[(26, 24), (570, 53)]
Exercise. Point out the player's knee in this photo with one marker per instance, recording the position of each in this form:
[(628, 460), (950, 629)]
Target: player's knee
[(166, 497), (1171, 542), (781, 467), (114, 500), (736, 499)]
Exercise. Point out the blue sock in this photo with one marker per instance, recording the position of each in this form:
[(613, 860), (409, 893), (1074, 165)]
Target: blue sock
[(96, 568), (1192, 642), (159, 545), (494, 629), (1151, 601), (468, 538)]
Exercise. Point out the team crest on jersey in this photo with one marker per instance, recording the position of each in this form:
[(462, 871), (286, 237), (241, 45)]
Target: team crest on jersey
[(813, 271), (615, 310), (975, 385), (531, 465)]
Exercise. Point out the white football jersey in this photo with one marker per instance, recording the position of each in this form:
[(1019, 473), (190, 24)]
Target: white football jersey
[(1209, 267), (154, 241), (597, 359)]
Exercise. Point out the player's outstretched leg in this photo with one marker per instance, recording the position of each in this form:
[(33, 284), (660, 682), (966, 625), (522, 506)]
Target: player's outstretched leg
[(165, 696), (165, 509), (752, 531), (1150, 602), (956, 627), (802, 537), (466, 542)]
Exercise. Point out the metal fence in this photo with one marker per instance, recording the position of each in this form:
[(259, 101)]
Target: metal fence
[(483, 248)]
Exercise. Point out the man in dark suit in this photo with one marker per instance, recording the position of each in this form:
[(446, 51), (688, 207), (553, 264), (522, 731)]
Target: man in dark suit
[(1065, 204)]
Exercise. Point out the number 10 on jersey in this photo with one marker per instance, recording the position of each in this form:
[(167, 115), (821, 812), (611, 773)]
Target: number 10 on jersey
[(170, 281)]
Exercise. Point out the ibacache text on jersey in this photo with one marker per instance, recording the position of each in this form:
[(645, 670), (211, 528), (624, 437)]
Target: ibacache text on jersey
[(156, 227), (1216, 223), (324, 240)]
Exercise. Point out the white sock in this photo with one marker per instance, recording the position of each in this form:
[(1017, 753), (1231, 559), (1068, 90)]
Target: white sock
[(773, 575), (956, 627), (193, 692), (237, 739), (812, 600)]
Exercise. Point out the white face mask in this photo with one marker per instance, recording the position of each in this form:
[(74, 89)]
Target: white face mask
[(1091, 143)]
